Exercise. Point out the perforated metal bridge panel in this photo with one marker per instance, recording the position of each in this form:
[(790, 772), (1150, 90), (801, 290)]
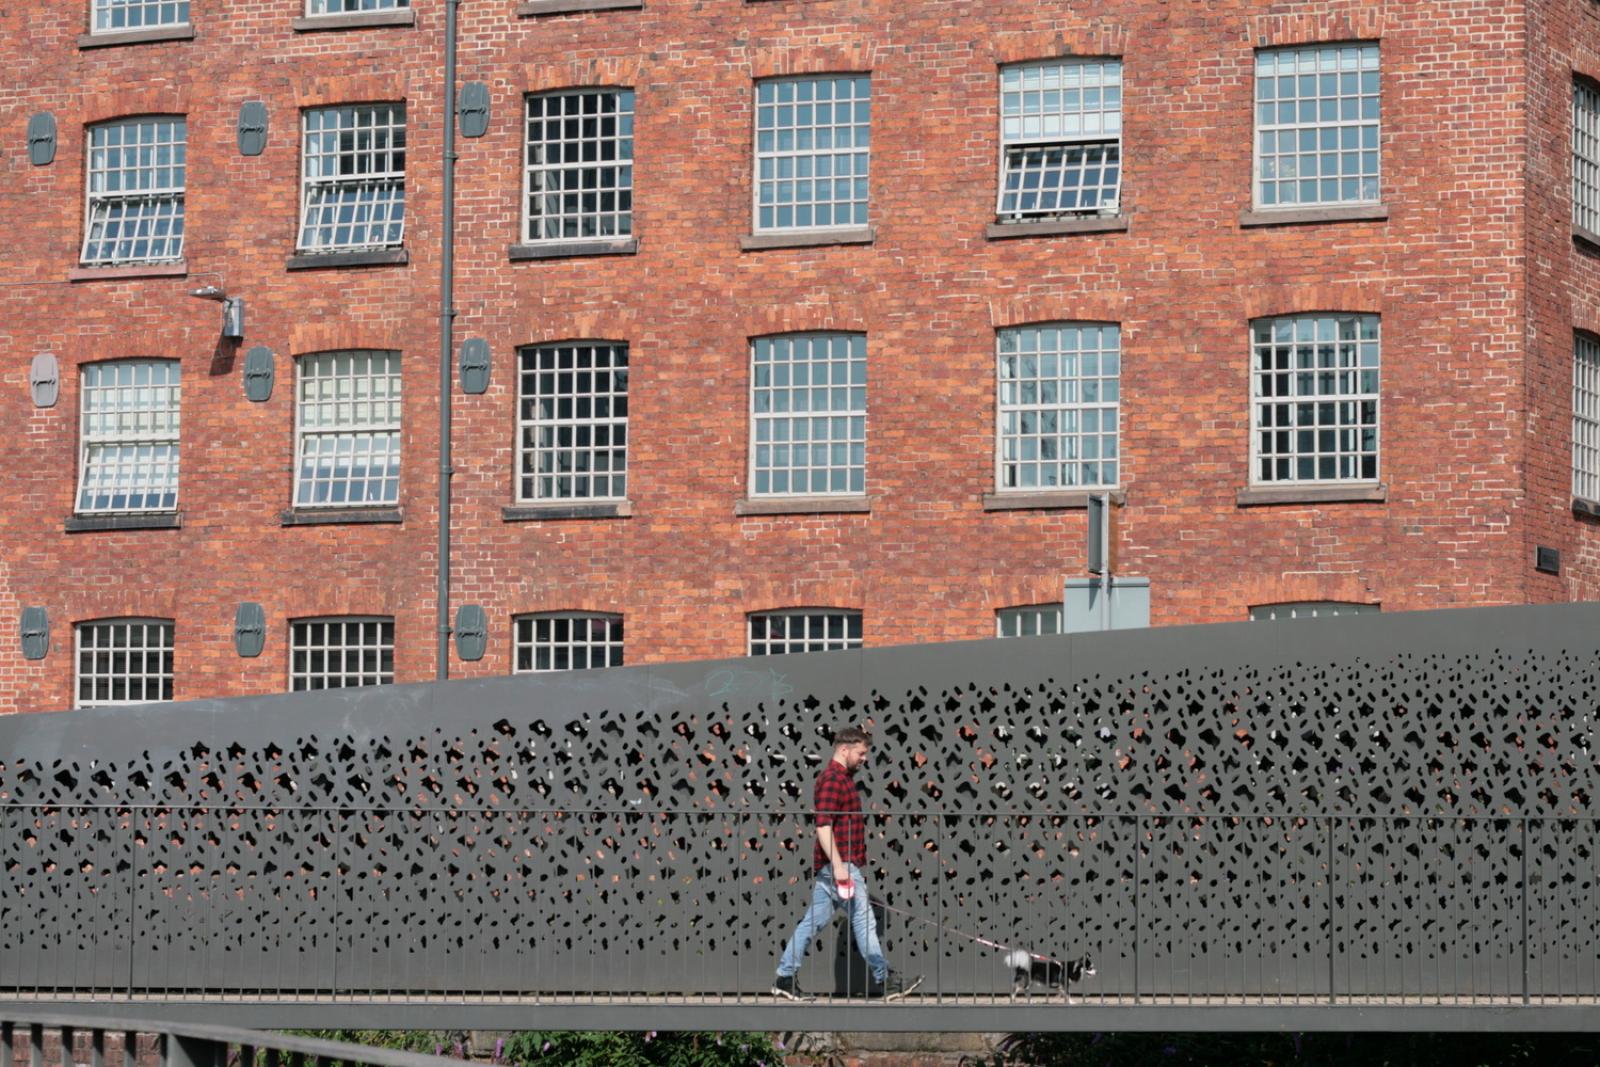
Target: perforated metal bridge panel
[(1401, 805)]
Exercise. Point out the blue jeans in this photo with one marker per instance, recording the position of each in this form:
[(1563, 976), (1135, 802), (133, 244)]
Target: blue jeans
[(824, 901)]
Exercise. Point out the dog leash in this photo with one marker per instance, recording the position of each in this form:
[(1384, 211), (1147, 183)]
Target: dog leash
[(886, 906)]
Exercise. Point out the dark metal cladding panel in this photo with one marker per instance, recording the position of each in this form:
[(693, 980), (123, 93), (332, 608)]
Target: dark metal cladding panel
[(35, 632), (252, 128), (474, 366), (472, 633), (44, 379), (249, 629), (42, 138), (473, 106)]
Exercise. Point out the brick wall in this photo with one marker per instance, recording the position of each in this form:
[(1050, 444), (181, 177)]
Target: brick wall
[(1461, 381)]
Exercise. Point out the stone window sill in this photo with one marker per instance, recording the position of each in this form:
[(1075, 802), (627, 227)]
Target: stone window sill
[(154, 520), (175, 269), (1580, 506), (599, 509), (843, 235), (1585, 236), (1035, 501), (339, 516), (804, 505), (150, 36), (1257, 495), (530, 8), (605, 246), (1310, 215), (381, 257), (997, 231), (355, 20)]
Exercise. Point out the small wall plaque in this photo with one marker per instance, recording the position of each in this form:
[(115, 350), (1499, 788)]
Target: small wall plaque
[(472, 633), (42, 139), (44, 380), (474, 366), (249, 629), (35, 633), (1547, 560), (473, 108), (252, 128), (259, 372)]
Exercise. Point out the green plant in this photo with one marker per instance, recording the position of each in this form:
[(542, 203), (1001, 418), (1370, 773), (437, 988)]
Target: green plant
[(649, 1049)]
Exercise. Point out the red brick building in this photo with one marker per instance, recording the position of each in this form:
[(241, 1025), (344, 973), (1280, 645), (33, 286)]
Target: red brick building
[(1300, 281)]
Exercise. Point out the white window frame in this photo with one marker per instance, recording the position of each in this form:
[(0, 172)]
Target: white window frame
[(169, 195), (853, 411), (1586, 155), (832, 153), (380, 676), (1310, 609), (609, 645), (1101, 382), (1109, 74), (160, 677), (615, 425), (370, 427), (1586, 417), (391, 179), (624, 139), (155, 426), (102, 12), (319, 8), (827, 643), (1341, 52), (1260, 401), (1046, 620)]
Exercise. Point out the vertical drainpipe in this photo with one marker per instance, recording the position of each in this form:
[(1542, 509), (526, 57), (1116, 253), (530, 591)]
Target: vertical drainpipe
[(447, 315)]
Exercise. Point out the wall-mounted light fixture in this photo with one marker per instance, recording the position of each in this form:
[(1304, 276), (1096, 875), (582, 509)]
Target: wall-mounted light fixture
[(232, 309)]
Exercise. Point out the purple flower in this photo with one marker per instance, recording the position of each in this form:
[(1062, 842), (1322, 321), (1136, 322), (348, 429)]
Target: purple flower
[(499, 1047), (1169, 1050), (546, 1047)]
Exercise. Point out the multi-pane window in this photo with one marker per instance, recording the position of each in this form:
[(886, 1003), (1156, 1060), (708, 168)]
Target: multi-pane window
[(340, 653), (1060, 138), (1309, 609), (777, 633), (347, 7), (123, 661), (568, 641), (354, 191), (348, 430), (813, 140), (129, 437), (1060, 387), (1586, 418), (1586, 155), (808, 397), (135, 191), (572, 441), (1315, 394), (1032, 621), (115, 16), (1317, 125), (579, 165)]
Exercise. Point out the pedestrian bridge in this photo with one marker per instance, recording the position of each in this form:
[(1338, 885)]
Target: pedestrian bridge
[(1386, 822)]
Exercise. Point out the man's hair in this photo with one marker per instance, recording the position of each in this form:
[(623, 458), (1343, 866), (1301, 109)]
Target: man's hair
[(851, 735)]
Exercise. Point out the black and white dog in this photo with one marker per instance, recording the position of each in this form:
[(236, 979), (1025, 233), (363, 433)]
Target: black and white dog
[(1028, 970)]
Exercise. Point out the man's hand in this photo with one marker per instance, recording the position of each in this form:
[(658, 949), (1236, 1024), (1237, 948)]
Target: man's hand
[(841, 873)]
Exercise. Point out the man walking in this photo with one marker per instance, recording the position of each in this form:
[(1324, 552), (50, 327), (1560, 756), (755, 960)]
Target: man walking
[(836, 862)]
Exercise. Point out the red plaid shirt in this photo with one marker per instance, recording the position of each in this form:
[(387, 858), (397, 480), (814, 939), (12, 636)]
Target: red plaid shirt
[(838, 805)]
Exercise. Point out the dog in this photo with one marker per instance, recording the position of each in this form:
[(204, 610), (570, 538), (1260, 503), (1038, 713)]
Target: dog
[(1028, 970)]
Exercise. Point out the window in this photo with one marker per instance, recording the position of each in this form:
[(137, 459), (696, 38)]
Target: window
[(1033, 621), (1315, 389), (1586, 418), (777, 633), (129, 437), (124, 661), (809, 414), (350, 7), (340, 653), (579, 165), (1317, 125), (116, 16), (348, 429), (1309, 609), (1586, 156), (568, 641), (135, 191), (1060, 139), (354, 193), (1058, 409), (812, 144), (573, 423)]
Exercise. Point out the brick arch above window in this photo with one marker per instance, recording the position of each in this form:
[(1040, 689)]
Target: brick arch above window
[(1300, 588), (1348, 20), (1271, 301), (852, 57), (606, 72), (165, 102), (308, 339), (543, 326), (807, 318), (844, 594), (351, 89), (1079, 307), (1082, 42)]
